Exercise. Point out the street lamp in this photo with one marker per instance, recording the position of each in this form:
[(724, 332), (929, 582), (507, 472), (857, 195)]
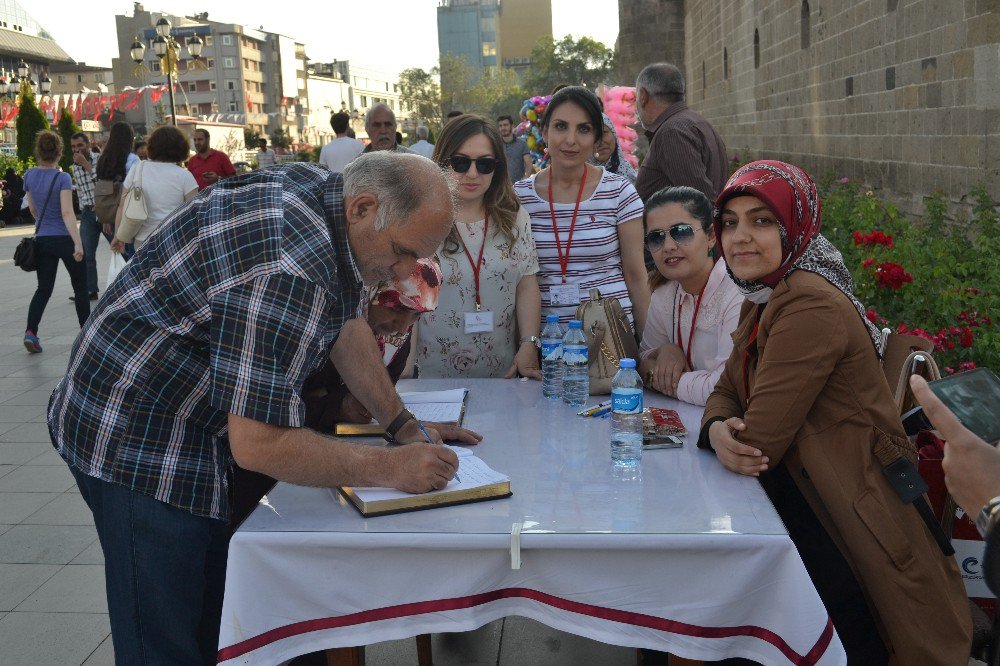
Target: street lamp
[(45, 84), (22, 69)]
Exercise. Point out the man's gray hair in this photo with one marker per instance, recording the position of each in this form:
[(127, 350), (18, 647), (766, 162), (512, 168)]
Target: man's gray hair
[(663, 81), (422, 132), (398, 181), (374, 108)]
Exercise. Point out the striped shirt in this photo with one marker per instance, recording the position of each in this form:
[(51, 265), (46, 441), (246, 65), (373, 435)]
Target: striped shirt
[(83, 180), (595, 259), (226, 309)]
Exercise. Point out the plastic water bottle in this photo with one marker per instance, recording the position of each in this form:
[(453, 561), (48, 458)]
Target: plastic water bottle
[(576, 373), (552, 357), (626, 415)]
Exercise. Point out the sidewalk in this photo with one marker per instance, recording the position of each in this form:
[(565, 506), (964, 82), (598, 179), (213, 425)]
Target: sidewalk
[(53, 609)]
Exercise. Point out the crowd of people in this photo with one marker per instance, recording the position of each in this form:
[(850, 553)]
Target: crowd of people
[(257, 312)]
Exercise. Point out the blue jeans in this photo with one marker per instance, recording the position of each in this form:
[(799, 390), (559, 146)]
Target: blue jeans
[(165, 573), (90, 235), (50, 250)]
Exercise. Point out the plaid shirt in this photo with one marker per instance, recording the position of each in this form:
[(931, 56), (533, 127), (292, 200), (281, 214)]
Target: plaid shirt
[(84, 182), (227, 308)]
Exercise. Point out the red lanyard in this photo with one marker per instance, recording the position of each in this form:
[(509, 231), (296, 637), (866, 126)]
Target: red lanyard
[(564, 259), (694, 320), (477, 266)]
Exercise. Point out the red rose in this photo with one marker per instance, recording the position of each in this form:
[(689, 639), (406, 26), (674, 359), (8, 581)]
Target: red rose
[(867, 262), (966, 337), (890, 275)]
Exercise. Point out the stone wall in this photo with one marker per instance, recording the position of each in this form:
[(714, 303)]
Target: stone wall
[(649, 31), (901, 94)]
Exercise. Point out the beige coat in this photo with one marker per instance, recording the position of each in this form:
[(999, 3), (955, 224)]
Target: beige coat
[(821, 405)]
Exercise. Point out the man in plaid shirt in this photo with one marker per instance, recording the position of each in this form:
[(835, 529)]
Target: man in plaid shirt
[(90, 229), (196, 355)]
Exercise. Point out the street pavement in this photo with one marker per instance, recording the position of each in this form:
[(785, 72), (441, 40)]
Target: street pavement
[(53, 609)]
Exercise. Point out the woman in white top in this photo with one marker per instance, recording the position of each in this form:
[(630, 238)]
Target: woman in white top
[(695, 305), (165, 184), (489, 310), (587, 222)]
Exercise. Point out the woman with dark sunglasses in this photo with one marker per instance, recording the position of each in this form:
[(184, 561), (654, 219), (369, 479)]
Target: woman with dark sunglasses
[(587, 221), (489, 314), (694, 305)]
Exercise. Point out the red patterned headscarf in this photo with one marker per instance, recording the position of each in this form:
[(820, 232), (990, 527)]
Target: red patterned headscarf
[(419, 292), (791, 195)]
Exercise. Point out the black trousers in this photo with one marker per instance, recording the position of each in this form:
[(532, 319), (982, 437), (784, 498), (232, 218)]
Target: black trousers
[(50, 250)]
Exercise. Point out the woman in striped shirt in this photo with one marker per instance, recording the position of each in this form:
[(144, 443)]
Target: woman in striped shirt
[(587, 222)]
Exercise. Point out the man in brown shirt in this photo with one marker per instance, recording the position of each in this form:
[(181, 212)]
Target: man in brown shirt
[(684, 148)]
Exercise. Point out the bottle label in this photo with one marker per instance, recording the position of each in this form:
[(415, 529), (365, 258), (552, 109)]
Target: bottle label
[(551, 350), (575, 354), (626, 401)]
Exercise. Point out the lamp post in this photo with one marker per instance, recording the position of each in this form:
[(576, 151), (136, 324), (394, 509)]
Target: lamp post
[(168, 50)]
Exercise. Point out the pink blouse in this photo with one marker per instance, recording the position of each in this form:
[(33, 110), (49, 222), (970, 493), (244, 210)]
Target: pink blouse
[(717, 319)]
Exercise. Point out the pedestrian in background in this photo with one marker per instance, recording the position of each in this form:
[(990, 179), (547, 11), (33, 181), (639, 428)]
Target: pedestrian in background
[(337, 154), (84, 177), (422, 147), (208, 165), (265, 156), (380, 123), (49, 192), (517, 152)]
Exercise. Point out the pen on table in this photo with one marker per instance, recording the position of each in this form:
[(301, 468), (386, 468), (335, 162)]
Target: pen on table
[(427, 436), (592, 411), (603, 411)]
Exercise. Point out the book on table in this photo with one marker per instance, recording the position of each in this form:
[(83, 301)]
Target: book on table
[(475, 481), (435, 406)]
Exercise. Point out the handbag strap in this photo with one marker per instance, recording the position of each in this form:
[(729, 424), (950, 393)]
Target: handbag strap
[(48, 196), (137, 184)]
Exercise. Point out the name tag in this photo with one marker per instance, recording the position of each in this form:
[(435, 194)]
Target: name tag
[(479, 322), (564, 294)]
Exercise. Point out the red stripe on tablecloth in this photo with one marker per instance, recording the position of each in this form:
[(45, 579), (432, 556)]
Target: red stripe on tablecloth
[(610, 614)]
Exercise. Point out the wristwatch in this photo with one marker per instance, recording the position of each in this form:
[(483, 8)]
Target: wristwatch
[(988, 517), (397, 424), (533, 339)]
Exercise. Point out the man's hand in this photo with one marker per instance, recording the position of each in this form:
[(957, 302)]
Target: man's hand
[(453, 433), (971, 466), (733, 455), (106, 228), (670, 365), (410, 432), (81, 160), (210, 177), (420, 468), (352, 411)]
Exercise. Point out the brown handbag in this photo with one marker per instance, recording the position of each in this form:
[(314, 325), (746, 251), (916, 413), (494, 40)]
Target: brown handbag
[(609, 338)]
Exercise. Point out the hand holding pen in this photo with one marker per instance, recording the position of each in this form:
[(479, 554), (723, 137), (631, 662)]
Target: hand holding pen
[(427, 436)]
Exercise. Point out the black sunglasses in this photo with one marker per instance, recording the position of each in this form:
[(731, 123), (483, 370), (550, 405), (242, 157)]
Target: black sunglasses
[(461, 164), (680, 233)]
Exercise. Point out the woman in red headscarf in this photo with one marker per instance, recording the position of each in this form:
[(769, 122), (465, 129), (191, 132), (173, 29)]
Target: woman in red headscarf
[(804, 406)]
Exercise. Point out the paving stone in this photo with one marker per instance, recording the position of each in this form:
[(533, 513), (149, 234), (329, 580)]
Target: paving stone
[(51, 638), (15, 507), (67, 509), (19, 581), (76, 588), (19, 453), (38, 479), (44, 544), (104, 655)]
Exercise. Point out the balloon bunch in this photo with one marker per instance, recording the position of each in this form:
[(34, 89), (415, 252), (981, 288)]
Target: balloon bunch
[(619, 104), (530, 129)]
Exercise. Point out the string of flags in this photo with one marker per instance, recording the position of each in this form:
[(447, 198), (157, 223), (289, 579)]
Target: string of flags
[(90, 104)]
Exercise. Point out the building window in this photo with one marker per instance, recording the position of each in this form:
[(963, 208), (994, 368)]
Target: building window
[(489, 49), (704, 80), (208, 40), (229, 63), (99, 77), (227, 40), (230, 84), (890, 78), (232, 107), (192, 86), (804, 37), (211, 85), (756, 49), (61, 79), (725, 63), (364, 100), (79, 78), (849, 86), (211, 62), (890, 6), (155, 66)]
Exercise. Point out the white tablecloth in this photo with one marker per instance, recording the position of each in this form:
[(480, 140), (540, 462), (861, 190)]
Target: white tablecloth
[(688, 558)]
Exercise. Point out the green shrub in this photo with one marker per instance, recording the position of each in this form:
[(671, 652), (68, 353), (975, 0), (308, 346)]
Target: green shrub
[(67, 128), (938, 277), (30, 121)]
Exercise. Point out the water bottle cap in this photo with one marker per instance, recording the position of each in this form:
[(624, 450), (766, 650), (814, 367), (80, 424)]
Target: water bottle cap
[(551, 319), (626, 363), (575, 323)]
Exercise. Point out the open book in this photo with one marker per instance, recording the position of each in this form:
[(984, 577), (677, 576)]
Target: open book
[(437, 406), (475, 481)]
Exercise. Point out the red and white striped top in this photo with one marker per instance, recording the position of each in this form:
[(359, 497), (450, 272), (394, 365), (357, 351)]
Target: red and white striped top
[(595, 258)]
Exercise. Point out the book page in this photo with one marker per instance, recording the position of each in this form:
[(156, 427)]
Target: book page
[(418, 397), (442, 412), (472, 473)]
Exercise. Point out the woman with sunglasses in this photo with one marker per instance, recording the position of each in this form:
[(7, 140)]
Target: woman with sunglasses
[(804, 406), (694, 306), (489, 315), (587, 221)]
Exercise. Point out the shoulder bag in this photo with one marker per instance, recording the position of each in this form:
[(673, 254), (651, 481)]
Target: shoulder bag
[(610, 339), (134, 213), (107, 195), (26, 254)]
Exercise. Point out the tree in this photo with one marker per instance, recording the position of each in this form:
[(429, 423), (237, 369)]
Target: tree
[(584, 62), (494, 92), (251, 138), (30, 121), (280, 138), (421, 92), (67, 128)]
